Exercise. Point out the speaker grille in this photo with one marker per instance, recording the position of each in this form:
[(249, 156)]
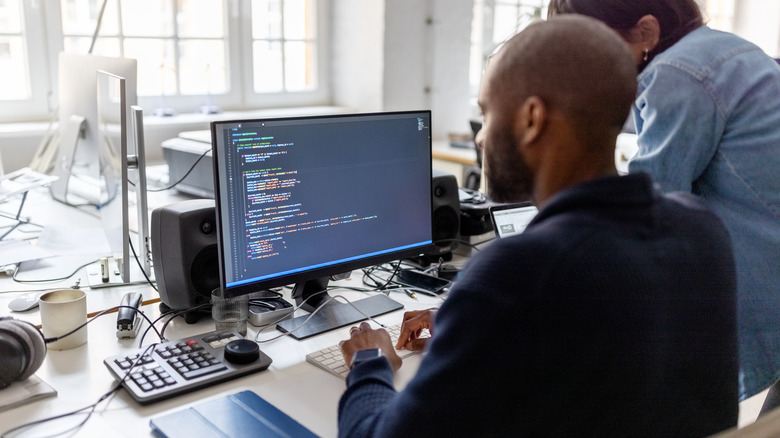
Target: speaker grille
[(446, 212), (204, 273), (445, 226)]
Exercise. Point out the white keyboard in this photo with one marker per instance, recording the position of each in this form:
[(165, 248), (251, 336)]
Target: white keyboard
[(331, 360)]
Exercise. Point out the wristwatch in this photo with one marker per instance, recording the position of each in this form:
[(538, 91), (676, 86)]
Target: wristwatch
[(364, 355)]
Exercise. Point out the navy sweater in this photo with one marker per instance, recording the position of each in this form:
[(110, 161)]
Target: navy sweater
[(613, 314)]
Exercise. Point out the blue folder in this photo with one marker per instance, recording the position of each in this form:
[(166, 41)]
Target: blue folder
[(243, 414)]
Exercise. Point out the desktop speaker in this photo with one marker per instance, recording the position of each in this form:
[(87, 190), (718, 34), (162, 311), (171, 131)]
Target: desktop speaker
[(22, 349), (184, 251), (446, 215)]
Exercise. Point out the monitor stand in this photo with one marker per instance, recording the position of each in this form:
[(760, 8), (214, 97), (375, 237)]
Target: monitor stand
[(333, 314)]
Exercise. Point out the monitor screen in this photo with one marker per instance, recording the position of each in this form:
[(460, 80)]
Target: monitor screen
[(300, 199)]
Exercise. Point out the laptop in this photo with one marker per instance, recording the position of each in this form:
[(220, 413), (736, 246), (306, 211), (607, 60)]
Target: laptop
[(511, 219)]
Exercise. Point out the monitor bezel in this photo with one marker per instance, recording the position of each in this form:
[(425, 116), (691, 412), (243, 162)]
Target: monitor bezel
[(314, 274)]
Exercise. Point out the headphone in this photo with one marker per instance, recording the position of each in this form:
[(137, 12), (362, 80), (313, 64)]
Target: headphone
[(22, 349)]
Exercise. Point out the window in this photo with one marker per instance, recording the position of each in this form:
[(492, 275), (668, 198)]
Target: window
[(755, 21), (181, 45), (23, 79), (192, 54), (719, 14), (12, 65), (283, 45), (496, 21)]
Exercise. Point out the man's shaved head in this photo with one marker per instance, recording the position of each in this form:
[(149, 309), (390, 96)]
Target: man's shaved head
[(553, 101), (576, 65)]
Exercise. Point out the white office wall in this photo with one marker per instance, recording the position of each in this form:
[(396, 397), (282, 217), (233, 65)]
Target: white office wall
[(407, 55), (450, 89), (427, 47), (759, 21), (357, 36), (391, 55)]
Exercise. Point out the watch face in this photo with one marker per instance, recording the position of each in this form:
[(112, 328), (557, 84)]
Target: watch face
[(363, 355)]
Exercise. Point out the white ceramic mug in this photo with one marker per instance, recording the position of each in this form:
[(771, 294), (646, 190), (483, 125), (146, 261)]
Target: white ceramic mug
[(61, 312)]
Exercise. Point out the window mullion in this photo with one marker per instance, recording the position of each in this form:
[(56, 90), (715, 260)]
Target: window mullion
[(241, 44), (282, 42), (121, 29), (176, 48)]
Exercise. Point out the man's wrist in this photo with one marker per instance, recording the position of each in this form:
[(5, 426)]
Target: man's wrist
[(365, 355)]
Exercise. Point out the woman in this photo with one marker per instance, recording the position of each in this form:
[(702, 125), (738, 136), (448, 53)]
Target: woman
[(707, 115)]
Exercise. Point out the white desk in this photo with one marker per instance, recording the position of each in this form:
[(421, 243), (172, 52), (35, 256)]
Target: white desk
[(298, 388), (301, 390)]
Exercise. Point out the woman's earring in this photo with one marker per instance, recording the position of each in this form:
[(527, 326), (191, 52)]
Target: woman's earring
[(646, 53)]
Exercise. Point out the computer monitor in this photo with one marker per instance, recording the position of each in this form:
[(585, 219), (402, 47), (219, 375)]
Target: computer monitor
[(75, 164), (121, 160), (301, 199)]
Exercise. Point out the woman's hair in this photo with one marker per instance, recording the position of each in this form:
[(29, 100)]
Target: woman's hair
[(677, 18)]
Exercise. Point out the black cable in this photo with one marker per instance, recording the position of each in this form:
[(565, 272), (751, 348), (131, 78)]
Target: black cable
[(173, 314), (91, 407), (181, 313), (140, 266), (151, 325), (182, 178), (380, 284), (268, 302), (311, 315), (469, 244), (482, 243), (101, 313), (13, 277), (38, 291)]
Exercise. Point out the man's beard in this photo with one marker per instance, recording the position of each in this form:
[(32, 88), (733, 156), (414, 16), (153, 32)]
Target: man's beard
[(508, 177)]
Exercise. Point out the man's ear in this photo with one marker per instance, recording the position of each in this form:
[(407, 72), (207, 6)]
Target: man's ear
[(530, 121)]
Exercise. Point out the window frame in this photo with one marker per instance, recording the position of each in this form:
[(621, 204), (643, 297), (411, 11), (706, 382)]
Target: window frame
[(37, 106), (319, 96), (44, 18), (488, 32)]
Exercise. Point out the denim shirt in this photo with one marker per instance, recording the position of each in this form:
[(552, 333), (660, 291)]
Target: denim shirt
[(707, 116)]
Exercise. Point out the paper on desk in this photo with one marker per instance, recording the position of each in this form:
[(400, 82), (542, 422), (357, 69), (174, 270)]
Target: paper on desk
[(69, 241), (26, 391), (16, 251)]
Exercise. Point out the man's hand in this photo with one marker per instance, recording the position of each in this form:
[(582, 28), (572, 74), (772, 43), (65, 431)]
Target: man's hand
[(363, 338), (412, 327)]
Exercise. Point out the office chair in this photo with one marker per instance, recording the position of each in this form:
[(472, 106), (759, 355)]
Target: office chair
[(473, 178), (473, 174)]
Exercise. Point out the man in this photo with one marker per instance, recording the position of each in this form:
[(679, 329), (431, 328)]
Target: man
[(613, 314)]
